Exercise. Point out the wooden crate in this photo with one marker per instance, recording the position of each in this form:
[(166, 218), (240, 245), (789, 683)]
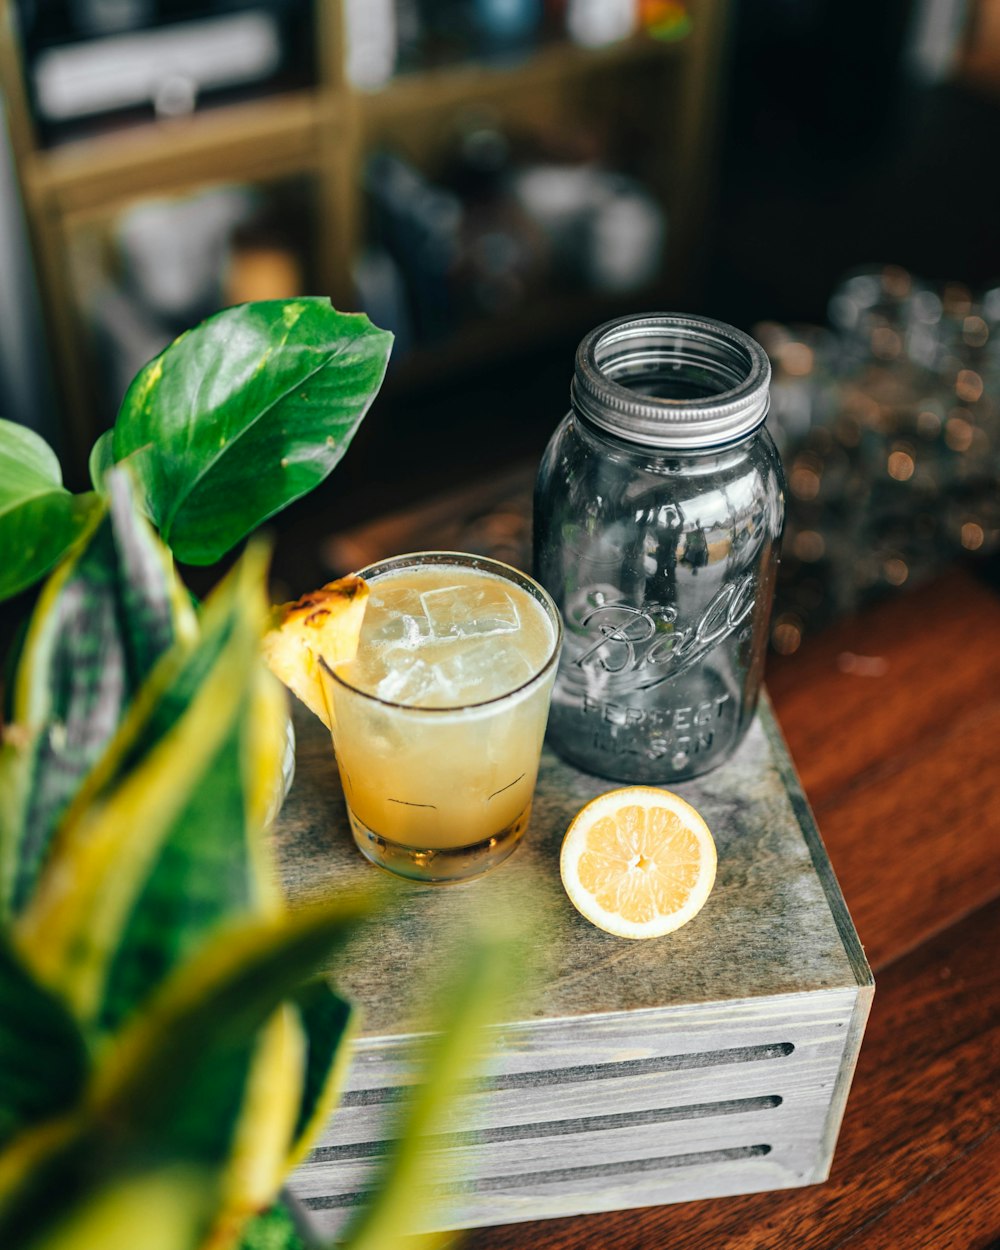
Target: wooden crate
[(714, 1061)]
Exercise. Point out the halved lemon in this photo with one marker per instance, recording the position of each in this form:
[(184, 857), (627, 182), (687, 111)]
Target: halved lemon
[(324, 624), (638, 862)]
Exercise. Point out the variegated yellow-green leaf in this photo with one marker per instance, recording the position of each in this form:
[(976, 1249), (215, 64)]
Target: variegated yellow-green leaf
[(404, 1194), (102, 621), (173, 1085), (215, 862), (39, 519), (109, 843), (328, 1021), (43, 1057), (205, 1012), (165, 1209), (258, 1157), (244, 414)]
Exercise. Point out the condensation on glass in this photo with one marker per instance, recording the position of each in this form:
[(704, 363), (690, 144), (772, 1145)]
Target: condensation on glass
[(658, 516)]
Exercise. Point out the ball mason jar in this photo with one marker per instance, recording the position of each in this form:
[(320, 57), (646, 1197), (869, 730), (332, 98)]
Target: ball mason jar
[(658, 515)]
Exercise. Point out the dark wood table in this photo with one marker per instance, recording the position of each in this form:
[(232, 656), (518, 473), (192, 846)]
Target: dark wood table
[(893, 719)]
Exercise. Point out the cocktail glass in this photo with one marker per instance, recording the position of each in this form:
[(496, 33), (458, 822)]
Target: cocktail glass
[(438, 722)]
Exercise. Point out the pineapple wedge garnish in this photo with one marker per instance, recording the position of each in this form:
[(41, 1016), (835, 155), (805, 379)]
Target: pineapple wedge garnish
[(324, 624)]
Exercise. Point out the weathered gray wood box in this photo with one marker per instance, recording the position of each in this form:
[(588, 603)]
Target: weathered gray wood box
[(714, 1061)]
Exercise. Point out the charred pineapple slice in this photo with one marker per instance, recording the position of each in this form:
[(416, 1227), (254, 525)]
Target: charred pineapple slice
[(325, 623)]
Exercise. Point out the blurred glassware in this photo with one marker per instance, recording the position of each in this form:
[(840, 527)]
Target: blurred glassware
[(890, 431), (506, 25), (372, 44), (594, 23), (665, 19), (495, 232)]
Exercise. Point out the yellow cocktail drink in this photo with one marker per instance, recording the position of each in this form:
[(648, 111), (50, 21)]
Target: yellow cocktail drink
[(438, 721)]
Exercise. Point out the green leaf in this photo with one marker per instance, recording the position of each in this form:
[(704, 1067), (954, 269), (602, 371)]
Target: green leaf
[(327, 1020), (274, 1229), (158, 1066), (244, 414), (487, 969), (112, 836), (202, 875), (39, 519), (103, 620), (43, 1057), (165, 1209), (214, 862), (102, 459)]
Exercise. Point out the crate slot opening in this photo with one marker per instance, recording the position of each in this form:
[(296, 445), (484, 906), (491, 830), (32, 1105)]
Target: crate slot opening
[(556, 1128), (587, 1072)]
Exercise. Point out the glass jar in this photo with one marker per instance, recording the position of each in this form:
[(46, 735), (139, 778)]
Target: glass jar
[(658, 516)]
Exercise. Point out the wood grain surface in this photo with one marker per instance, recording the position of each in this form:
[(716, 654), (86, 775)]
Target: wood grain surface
[(898, 754)]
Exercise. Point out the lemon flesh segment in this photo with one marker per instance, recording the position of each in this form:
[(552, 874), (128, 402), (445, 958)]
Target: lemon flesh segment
[(638, 862), (323, 626)]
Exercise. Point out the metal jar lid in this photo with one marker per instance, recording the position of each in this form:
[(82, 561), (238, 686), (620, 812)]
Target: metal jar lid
[(672, 381)]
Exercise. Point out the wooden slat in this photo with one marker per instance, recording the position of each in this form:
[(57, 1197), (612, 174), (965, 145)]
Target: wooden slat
[(925, 1094)]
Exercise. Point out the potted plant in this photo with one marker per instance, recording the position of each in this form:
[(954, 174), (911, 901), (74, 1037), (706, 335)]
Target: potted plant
[(168, 1045)]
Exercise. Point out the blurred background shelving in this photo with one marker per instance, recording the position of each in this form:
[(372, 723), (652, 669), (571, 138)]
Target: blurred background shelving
[(492, 178), (454, 169)]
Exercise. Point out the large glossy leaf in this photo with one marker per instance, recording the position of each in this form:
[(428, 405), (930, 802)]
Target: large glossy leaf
[(244, 414), (43, 1058), (102, 621), (39, 519), (112, 836), (101, 460)]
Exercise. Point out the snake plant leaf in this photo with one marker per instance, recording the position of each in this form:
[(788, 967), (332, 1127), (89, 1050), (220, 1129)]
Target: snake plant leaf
[(329, 1022), (163, 1209), (202, 874), (485, 975), (152, 1083), (43, 1057), (244, 414), (101, 622), (114, 831), (215, 862), (258, 1153), (39, 519)]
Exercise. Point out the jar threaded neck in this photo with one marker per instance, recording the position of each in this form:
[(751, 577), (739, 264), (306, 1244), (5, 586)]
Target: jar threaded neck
[(672, 381)]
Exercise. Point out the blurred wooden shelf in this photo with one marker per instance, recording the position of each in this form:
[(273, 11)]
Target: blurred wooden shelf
[(408, 96), (73, 192), (267, 138)]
